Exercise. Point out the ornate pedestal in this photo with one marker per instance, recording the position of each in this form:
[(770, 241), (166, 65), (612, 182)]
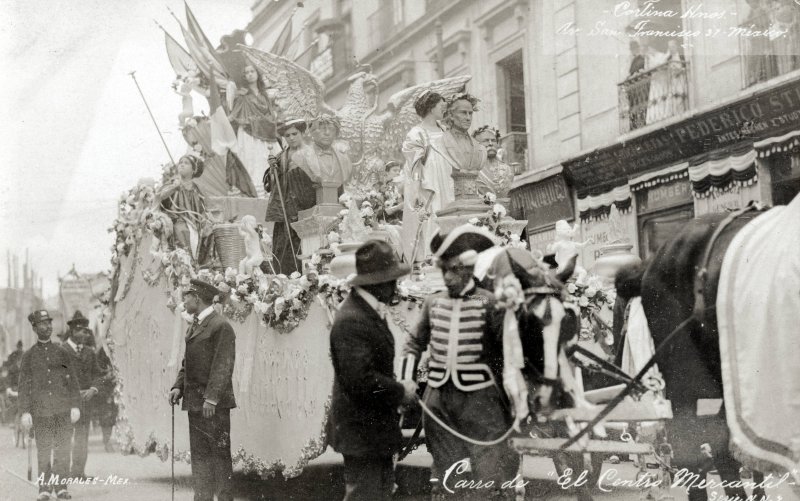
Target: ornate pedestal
[(313, 224), (466, 205)]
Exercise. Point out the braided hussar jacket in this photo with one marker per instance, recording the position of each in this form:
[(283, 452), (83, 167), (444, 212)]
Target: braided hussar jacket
[(465, 336)]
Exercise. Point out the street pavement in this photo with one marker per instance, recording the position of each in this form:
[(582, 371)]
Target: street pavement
[(128, 478)]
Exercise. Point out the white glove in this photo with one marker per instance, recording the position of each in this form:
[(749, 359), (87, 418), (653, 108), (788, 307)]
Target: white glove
[(74, 415), (27, 421)]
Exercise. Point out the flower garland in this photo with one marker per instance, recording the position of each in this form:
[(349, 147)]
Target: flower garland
[(589, 294), (494, 221)]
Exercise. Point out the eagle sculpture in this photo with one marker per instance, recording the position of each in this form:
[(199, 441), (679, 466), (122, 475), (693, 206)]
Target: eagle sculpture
[(369, 138)]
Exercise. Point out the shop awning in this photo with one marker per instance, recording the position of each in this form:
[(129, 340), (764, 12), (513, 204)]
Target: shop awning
[(658, 177), (599, 206), (781, 144), (712, 175)]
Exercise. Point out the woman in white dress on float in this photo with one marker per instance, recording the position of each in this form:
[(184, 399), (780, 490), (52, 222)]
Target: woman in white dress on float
[(430, 106)]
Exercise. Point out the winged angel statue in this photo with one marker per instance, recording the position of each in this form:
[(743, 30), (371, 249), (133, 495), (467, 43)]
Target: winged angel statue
[(369, 138)]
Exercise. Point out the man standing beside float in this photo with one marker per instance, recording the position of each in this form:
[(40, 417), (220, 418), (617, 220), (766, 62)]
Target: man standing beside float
[(364, 421), (205, 384)]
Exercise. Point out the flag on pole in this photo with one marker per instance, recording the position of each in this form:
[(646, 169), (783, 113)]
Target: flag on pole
[(179, 58), (282, 43), (202, 41), (305, 57), (223, 138)]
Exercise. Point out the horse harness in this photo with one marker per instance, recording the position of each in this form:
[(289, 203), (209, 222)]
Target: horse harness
[(698, 314)]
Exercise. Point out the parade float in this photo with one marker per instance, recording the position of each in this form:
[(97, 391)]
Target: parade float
[(283, 374)]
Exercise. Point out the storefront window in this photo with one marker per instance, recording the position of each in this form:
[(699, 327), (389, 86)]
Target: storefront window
[(655, 229), (785, 178)]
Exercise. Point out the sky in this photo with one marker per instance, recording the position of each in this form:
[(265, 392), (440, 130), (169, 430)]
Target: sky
[(75, 133)]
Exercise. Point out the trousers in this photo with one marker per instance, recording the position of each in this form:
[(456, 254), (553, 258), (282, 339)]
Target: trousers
[(210, 446), (53, 435), (480, 415), (80, 442), (368, 478)]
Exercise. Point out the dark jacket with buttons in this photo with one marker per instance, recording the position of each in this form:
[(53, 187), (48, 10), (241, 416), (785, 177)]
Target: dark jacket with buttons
[(207, 369), (364, 420), (48, 382), (87, 368)]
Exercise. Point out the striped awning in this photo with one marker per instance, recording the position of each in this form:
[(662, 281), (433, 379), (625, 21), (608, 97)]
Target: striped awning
[(599, 206), (723, 174), (780, 144)]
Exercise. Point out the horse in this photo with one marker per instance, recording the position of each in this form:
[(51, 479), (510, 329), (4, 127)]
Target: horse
[(679, 291)]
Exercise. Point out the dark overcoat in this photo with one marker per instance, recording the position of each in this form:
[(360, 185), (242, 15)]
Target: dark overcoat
[(207, 368), (364, 420)]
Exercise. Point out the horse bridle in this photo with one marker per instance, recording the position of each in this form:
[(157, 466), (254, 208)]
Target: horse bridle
[(698, 314)]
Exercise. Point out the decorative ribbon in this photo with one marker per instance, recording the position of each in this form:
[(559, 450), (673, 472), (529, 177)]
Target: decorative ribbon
[(513, 362)]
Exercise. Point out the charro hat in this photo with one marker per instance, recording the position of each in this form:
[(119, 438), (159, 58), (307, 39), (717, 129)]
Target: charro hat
[(465, 242), (377, 262), (39, 316), (203, 289), (78, 320), (298, 123)]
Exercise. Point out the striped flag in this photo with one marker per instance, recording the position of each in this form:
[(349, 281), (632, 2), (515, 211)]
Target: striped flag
[(204, 45), (179, 58)]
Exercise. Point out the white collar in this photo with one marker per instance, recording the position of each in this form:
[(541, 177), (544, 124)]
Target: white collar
[(203, 314), (468, 287), (372, 301), (72, 343)]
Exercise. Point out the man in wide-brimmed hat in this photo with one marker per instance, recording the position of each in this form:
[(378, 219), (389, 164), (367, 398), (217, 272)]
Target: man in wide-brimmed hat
[(290, 191), (464, 330), (205, 383), (364, 423), (77, 322)]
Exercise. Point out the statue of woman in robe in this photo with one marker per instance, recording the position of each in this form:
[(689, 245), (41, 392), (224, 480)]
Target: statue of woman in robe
[(255, 117), (430, 107)]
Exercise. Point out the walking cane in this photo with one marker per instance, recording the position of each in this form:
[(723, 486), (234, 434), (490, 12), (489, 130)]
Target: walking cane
[(27, 439), (172, 451)]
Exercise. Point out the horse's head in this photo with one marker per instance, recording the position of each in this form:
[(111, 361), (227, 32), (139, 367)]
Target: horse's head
[(545, 324)]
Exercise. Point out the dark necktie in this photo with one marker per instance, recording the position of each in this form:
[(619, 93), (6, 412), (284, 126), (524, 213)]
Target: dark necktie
[(193, 327)]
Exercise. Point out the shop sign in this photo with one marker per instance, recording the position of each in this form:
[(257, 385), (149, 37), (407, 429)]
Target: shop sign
[(545, 202), (663, 196), (541, 239), (598, 233), (771, 113)]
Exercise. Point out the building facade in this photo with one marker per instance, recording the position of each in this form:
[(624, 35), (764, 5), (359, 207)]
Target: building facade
[(664, 110)]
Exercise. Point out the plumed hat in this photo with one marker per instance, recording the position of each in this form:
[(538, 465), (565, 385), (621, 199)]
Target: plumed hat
[(465, 242)]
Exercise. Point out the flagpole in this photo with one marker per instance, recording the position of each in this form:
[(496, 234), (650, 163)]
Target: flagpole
[(133, 76), (283, 204)]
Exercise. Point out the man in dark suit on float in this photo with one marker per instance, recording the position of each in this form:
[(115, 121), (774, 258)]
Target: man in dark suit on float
[(206, 387), (90, 380), (364, 422)]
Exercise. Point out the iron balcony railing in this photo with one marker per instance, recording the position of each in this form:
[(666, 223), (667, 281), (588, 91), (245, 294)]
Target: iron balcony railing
[(650, 96), (769, 43)]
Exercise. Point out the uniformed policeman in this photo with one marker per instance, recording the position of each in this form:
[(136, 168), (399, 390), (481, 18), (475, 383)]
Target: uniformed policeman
[(49, 400)]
